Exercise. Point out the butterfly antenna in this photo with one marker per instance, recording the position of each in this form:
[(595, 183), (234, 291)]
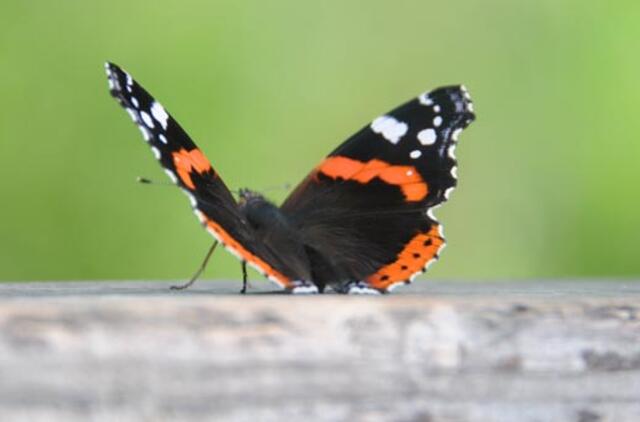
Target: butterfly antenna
[(146, 181), (282, 186)]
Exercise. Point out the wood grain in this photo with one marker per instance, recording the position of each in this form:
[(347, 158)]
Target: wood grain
[(131, 351)]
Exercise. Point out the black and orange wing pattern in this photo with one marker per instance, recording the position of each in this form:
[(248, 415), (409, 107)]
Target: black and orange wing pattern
[(188, 167), (366, 212)]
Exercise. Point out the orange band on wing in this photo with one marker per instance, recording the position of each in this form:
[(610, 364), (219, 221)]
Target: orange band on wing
[(188, 161), (407, 178), (232, 244), (411, 260)]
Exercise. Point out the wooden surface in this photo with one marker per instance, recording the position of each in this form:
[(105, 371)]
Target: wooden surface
[(129, 351)]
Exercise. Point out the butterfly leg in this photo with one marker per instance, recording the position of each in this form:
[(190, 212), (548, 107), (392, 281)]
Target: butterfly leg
[(200, 270), (244, 277)]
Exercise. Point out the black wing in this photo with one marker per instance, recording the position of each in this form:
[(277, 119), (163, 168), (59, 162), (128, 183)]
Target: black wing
[(366, 211)]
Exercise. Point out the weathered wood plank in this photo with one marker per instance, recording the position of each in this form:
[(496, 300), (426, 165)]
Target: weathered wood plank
[(566, 351)]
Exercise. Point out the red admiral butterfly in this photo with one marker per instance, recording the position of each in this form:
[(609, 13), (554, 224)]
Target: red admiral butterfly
[(361, 221)]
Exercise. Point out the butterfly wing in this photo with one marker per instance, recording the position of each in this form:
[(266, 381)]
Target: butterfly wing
[(366, 211), (188, 167)]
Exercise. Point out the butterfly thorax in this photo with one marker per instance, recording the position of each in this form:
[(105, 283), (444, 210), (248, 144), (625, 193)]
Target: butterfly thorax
[(259, 211)]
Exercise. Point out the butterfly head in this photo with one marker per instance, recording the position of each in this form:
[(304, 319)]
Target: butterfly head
[(246, 196)]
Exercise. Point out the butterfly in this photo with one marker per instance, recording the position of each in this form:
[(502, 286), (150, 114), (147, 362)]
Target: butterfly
[(362, 220)]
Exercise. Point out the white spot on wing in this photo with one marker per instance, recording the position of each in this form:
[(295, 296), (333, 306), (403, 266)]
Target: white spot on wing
[(456, 134), (132, 114), (163, 139), (203, 220), (447, 193), (160, 114), (454, 172), (430, 214), (429, 264), (437, 121), (436, 108), (192, 199), (135, 102), (172, 176), (465, 92), (359, 289), (147, 119), (451, 151), (277, 282), (145, 133), (390, 128), (392, 287), (425, 99), (156, 153), (305, 289), (416, 153), (427, 136)]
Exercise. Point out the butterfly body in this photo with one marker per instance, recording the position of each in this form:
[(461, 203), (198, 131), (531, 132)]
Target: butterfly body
[(273, 229), (362, 221)]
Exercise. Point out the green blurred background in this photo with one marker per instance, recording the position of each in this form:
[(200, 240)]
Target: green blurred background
[(548, 172)]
